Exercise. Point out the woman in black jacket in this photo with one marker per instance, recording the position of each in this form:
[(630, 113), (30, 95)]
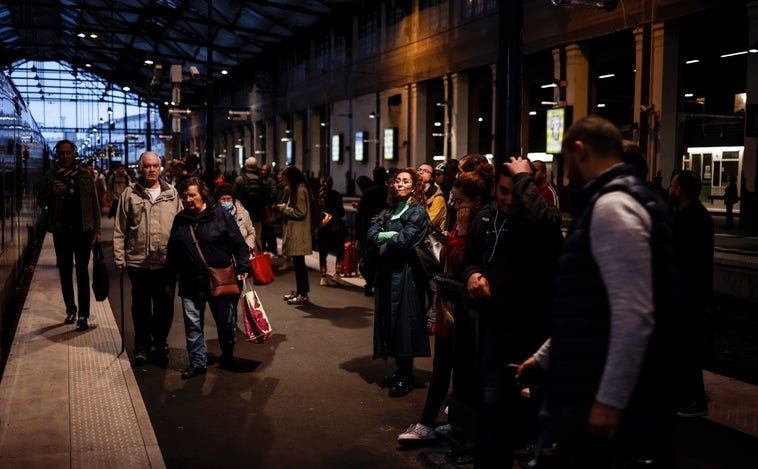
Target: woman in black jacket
[(221, 242), (331, 236)]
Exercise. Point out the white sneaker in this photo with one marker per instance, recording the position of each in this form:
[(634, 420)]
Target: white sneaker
[(415, 433)]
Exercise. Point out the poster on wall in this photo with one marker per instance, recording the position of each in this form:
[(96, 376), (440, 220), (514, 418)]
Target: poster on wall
[(289, 150), (390, 143), (360, 146), (337, 148), (556, 124)]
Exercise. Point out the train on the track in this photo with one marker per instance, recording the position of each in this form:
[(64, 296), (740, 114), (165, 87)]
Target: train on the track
[(23, 156)]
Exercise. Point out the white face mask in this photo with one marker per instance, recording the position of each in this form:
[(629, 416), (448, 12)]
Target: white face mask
[(227, 205)]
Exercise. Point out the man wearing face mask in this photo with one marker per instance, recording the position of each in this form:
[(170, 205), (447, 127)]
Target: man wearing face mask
[(144, 216)]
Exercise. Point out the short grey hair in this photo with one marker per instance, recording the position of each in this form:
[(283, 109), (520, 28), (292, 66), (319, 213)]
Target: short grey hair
[(140, 162), (251, 162)]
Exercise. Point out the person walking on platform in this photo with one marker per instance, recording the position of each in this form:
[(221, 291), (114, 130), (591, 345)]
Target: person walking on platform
[(118, 181), (731, 197), (331, 237), (141, 229), (204, 226), (693, 242), (508, 268), (470, 192), (268, 224), (615, 352), (400, 329), (296, 236), (253, 194), (227, 198), (68, 198)]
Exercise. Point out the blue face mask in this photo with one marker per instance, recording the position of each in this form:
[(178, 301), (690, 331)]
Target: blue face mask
[(227, 205)]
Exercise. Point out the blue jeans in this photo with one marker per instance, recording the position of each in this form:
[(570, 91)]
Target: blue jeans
[(224, 310)]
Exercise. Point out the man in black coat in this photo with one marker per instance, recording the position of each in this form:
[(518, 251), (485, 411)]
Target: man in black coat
[(693, 240)]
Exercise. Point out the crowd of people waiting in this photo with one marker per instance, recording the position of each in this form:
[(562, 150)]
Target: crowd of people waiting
[(601, 327)]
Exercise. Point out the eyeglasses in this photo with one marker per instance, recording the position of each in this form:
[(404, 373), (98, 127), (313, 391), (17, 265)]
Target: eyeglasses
[(424, 170)]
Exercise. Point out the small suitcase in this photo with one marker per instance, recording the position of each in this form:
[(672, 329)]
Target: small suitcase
[(350, 259)]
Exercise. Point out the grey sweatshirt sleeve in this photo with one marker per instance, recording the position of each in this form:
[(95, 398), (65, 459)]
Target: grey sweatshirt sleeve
[(620, 243)]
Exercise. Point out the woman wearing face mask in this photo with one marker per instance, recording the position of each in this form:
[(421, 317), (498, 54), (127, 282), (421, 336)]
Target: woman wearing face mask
[(400, 329), (227, 198)]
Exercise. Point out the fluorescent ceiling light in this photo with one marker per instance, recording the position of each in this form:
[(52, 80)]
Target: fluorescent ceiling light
[(688, 95), (532, 113), (549, 85), (693, 61), (601, 105), (743, 52), (608, 75)]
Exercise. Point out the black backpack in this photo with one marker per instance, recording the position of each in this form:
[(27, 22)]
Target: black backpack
[(251, 195)]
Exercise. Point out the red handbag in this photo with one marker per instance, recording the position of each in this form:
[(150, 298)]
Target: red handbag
[(262, 272)]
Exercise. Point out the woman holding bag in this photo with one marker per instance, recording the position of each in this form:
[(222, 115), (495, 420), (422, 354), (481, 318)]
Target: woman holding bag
[(204, 233), (296, 236)]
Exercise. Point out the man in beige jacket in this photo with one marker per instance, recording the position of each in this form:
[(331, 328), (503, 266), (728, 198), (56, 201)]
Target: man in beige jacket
[(144, 217)]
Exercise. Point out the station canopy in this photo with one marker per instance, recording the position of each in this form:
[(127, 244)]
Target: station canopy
[(134, 43)]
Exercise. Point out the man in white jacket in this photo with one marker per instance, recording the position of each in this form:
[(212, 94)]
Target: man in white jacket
[(140, 234)]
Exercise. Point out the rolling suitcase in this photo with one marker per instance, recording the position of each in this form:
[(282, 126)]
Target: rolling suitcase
[(350, 259)]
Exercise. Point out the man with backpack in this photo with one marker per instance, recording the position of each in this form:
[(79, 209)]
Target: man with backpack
[(253, 194)]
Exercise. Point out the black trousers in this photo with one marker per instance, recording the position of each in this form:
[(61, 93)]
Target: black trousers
[(152, 308), (70, 247), (301, 275)]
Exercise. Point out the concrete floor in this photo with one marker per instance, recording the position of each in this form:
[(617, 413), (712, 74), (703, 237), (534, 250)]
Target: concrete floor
[(309, 398)]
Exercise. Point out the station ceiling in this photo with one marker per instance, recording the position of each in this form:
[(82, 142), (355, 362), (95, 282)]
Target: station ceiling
[(120, 41)]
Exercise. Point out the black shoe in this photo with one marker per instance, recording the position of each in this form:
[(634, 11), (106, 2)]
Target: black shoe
[(70, 318), (390, 380), (140, 358), (193, 371), (226, 362), (402, 387), (82, 325), (693, 409), (161, 350)]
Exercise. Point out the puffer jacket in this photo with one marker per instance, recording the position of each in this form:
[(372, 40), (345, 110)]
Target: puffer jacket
[(142, 226)]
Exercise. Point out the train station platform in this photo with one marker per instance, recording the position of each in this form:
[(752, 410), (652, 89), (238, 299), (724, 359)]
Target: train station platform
[(309, 397)]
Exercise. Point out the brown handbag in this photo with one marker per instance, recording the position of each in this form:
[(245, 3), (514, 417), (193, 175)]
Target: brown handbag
[(223, 279)]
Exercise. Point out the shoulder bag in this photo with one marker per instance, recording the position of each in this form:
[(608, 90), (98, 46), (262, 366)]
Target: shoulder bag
[(223, 279), (429, 252), (261, 265), (100, 284)]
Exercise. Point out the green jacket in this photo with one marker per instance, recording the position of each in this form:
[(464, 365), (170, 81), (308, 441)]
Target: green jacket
[(50, 202)]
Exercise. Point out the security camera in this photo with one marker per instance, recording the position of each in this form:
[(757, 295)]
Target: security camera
[(194, 72)]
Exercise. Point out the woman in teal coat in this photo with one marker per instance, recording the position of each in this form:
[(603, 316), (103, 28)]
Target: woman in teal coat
[(400, 329)]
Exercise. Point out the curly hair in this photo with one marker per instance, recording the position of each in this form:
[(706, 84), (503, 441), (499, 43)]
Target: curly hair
[(477, 183), (417, 194)]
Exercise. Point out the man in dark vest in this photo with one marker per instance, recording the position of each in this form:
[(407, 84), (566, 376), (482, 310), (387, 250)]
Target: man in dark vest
[(617, 331)]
